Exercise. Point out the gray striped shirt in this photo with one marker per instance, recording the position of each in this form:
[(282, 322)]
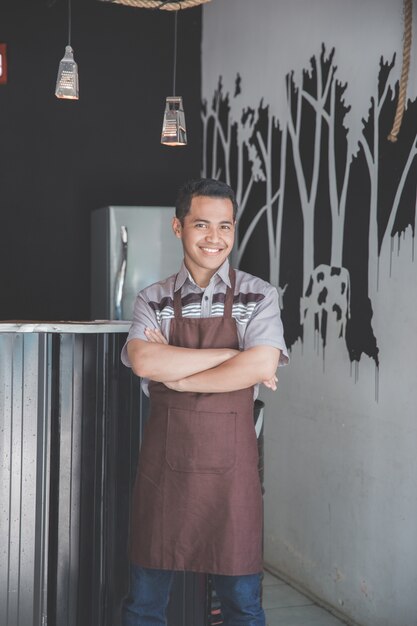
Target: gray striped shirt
[(255, 308)]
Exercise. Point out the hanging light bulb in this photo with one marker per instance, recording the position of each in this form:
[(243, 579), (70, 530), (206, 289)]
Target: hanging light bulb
[(174, 132), (67, 80)]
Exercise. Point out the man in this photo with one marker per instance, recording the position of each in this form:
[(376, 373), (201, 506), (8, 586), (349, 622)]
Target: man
[(204, 338)]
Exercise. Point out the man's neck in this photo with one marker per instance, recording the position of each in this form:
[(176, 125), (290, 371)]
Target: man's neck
[(202, 278)]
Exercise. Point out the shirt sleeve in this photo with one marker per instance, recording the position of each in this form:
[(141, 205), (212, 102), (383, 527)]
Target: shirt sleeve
[(143, 317), (265, 326)]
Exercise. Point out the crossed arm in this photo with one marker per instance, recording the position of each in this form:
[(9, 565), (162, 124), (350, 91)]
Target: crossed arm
[(202, 370)]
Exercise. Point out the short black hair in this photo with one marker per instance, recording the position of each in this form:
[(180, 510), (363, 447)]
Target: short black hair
[(208, 187)]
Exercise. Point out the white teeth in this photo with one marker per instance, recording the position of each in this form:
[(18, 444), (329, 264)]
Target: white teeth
[(211, 250)]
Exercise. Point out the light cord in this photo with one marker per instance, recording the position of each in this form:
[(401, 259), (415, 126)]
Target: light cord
[(175, 53), (69, 22)]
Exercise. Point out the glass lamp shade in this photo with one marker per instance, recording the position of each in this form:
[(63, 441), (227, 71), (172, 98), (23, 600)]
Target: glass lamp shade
[(174, 132), (67, 81)]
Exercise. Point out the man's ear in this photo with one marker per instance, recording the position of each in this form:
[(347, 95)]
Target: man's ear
[(176, 227)]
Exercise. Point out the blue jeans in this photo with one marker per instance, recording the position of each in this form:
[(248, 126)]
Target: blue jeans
[(149, 595)]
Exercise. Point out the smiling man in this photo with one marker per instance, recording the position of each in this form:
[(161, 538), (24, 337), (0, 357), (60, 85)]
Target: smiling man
[(202, 340)]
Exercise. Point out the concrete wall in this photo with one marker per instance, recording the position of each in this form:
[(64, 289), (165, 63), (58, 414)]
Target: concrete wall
[(341, 467)]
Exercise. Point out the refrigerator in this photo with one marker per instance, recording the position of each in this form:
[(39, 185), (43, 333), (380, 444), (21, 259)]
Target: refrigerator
[(131, 247)]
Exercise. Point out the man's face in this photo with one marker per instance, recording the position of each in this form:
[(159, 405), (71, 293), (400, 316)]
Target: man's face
[(207, 236)]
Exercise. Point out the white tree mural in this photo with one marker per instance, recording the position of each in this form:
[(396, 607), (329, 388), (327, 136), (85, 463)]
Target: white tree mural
[(305, 167)]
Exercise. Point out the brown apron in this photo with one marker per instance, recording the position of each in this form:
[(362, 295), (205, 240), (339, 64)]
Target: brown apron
[(197, 502)]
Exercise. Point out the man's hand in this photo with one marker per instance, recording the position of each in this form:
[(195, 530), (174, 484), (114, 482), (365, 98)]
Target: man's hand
[(247, 368), (154, 335), (177, 385), (271, 383), (154, 358)]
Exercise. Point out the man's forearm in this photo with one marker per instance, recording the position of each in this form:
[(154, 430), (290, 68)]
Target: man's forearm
[(162, 363), (244, 370)]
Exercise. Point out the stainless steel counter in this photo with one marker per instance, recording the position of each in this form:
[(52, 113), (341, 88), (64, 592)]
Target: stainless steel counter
[(96, 326), (71, 418), (69, 433)]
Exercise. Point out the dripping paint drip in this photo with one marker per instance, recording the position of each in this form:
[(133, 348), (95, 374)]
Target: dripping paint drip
[(390, 256)]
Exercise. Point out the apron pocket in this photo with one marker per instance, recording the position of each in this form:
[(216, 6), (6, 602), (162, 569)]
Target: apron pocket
[(151, 471), (200, 441)]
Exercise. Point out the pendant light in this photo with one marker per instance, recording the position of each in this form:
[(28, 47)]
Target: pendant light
[(67, 80), (174, 132)]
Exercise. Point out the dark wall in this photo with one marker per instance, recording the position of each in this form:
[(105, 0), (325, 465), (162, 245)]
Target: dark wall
[(59, 159)]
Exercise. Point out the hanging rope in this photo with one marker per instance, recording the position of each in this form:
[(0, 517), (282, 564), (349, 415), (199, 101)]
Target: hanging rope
[(175, 5), (402, 94)]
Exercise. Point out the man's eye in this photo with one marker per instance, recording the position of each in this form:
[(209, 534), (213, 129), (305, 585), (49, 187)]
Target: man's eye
[(200, 225), (226, 226)]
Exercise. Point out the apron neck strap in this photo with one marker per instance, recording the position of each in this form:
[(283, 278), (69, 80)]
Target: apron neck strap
[(230, 292), (228, 303), (177, 301)]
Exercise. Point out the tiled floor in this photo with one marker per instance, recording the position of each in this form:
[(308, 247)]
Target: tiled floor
[(284, 606)]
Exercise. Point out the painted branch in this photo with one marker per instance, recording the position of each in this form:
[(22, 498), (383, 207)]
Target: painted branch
[(204, 119), (283, 165), (266, 156), (246, 196), (248, 234), (398, 193), (226, 146), (214, 149), (251, 228)]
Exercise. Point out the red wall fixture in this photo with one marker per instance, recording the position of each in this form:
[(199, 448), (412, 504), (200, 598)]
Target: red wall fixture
[(3, 63)]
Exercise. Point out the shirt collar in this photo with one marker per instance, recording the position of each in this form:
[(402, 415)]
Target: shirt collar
[(184, 274)]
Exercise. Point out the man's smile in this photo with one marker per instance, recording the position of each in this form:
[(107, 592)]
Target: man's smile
[(210, 250)]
